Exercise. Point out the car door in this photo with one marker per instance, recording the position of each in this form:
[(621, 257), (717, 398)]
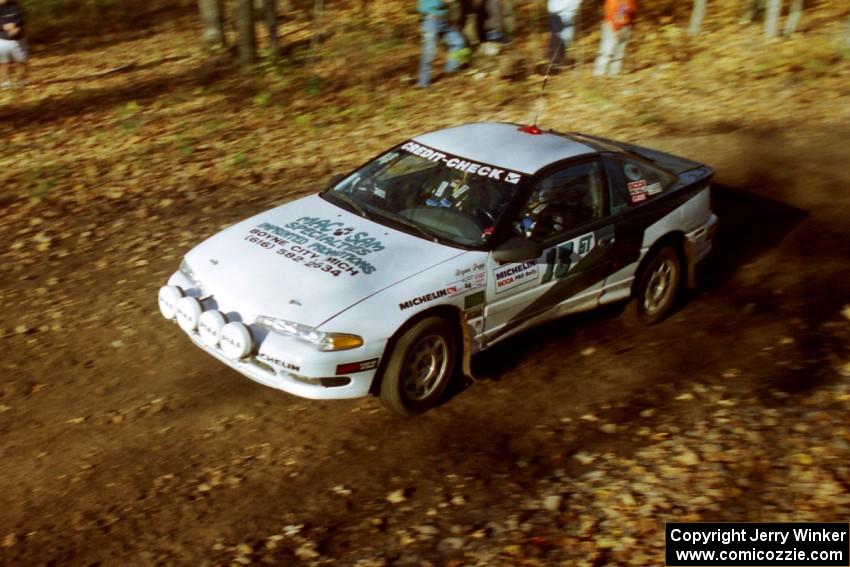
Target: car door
[(567, 213), (633, 186)]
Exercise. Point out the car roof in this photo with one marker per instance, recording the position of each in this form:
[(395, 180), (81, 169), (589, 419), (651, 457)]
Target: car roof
[(505, 145)]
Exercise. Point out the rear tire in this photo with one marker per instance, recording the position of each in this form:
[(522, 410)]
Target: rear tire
[(658, 286), (420, 367)]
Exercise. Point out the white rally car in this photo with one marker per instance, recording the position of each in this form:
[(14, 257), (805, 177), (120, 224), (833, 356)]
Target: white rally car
[(389, 280)]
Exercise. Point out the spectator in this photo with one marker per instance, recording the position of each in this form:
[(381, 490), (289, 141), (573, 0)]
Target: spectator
[(562, 28), (436, 25), (494, 22), (489, 20), (616, 33), (13, 49)]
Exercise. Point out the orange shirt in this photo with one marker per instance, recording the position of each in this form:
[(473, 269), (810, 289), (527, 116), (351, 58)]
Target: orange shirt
[(620, 13)]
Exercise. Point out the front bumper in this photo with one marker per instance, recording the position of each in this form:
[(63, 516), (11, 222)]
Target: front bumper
[(286, 364)]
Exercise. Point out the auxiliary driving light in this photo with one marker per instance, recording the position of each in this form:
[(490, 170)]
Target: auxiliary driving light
[(235, 340), (188, 313), (169, 295), (210, 325)]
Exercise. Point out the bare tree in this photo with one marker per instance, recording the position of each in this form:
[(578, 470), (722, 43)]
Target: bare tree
[(270, 8), (793, 18), (771, 20), (247, 41), (318, 8), (697, 16), (212, 17)]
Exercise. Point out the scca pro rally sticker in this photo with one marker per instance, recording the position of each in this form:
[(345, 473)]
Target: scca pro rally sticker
[(515, 275), (322, 244), (454, 162)]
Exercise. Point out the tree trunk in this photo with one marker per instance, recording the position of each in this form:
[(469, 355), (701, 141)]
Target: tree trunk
[(793, 18), (247, 35), (271, 24), (771, 19), (318, 8), (697, 16), (212, 17)]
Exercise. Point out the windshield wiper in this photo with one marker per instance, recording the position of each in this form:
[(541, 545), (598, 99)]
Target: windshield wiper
[(418, 228), (353, 203)]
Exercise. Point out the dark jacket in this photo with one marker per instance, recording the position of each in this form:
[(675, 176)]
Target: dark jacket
[(11, 12)]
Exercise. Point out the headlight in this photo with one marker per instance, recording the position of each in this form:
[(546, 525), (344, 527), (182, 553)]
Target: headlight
[(339, 341), (189, 273), (322, 341)]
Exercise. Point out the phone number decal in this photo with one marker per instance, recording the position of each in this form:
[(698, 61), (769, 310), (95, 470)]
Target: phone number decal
[(301, 254)]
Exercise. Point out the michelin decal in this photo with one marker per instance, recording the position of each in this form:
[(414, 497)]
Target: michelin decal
[(471, 279), (515, 275), (428, 297)]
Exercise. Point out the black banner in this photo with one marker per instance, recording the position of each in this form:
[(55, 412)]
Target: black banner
[(757, 544)]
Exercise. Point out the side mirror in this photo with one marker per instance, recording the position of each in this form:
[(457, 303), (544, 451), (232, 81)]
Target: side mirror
[(517, 249), (335, 179)]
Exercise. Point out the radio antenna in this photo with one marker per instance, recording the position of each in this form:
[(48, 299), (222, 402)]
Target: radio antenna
[(539, 103)]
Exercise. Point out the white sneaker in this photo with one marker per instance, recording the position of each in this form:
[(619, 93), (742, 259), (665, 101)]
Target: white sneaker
[(490, 48)]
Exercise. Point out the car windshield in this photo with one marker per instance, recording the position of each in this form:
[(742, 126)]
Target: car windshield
[(432, 193)]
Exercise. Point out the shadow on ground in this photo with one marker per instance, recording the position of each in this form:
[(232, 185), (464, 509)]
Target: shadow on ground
[(749, 226), (83, 101)]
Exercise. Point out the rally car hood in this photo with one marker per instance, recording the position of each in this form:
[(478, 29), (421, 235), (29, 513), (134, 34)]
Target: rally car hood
[(307, 261)]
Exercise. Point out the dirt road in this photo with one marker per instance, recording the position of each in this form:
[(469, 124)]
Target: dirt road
[(123, 444)]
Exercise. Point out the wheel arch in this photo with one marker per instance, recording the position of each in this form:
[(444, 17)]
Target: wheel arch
[(450, 313), (680, 244)]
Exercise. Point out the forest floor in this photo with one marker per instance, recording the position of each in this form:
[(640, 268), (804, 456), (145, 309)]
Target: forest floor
[(122, 444)]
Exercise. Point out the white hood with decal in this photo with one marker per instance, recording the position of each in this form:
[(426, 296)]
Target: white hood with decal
[(308, 260)]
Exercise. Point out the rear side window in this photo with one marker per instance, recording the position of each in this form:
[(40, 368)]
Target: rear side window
[(632, 182)]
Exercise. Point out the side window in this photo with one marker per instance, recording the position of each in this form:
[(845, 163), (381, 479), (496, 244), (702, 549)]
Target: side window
[(634, 181), (563, 200)]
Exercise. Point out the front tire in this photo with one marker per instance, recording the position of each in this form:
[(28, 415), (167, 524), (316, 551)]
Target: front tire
[(658, 286), (420, 367)]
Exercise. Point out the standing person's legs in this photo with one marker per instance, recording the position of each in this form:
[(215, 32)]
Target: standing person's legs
[(5, 58), (20, 59), (555, 52), (430, 33), (607, 43), (495, 22), (622, 41), (476, 9), (568, 32), (455, 44)]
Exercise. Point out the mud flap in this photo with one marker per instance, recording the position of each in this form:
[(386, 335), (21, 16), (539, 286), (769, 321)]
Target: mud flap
[(466, 367)]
